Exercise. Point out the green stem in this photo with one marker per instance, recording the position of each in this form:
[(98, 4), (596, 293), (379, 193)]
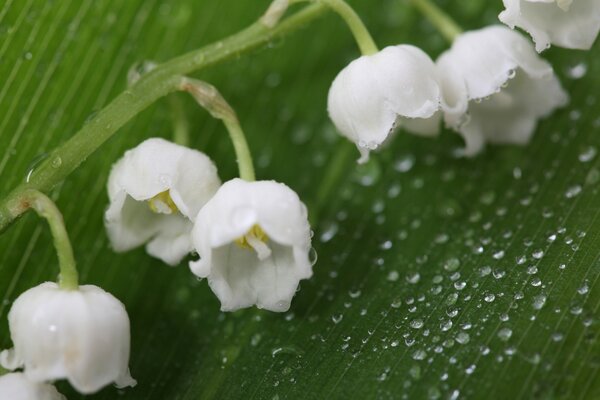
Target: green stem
[(438, 18), (46, 208), (181, 127), (242, 151), (157, 83), (361, 34), (212, 101)]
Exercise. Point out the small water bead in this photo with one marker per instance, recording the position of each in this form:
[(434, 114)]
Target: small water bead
[(463, 338), (509, 351), (489, 297), (354, 293), (583, 289), (539, 301), (557, 336), (577, 71), (498, 255), (413, 278), (460, 285), (416, 323), (386, 245), (484, 271), (451, 264), (521, 260), (538, 254), (337, 318), (329, 231), (504, 334), (393, 276), (587, 154), (455, 276), (576, 310), (446, 325), (394, 191), (499, 273), (404, 163), (451, 299), (532, 270), (536, 282), (419, 355), (573, 191), (504, 317)]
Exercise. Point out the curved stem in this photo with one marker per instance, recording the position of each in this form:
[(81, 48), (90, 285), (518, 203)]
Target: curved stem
[(242, 151), (438, 18), (45, 208), (181, 127), (209, 98), (361, 34), (157, 83)]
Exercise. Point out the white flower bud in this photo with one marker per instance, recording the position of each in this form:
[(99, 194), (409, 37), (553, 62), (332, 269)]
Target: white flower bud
[(16, 386), (573, 24), (253, 239), (80, 335), (376, 93), (155, 191), (496, 87)]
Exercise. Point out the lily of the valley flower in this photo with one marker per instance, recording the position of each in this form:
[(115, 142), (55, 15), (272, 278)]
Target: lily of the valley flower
[(155, 192), (375, 93), (253, 239), (16, 386), (496, 87), (573, 24), (80, 335)]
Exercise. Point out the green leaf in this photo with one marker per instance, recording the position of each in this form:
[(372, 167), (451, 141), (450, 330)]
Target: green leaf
[(437, 277)]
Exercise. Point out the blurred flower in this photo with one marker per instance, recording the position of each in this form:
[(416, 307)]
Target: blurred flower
[(573, 24), (80, 335), (496, 87), (155, 191), (253, 239), (376, 93), (16, 386)]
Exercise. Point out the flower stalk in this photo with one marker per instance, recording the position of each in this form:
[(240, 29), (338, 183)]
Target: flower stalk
[(159, 82), (439, 19), (45, 208), (209, 98), (360, 32), (181, 126)]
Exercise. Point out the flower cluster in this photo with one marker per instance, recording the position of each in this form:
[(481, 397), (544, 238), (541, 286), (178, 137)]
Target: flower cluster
[(490, 87), (253, 238)]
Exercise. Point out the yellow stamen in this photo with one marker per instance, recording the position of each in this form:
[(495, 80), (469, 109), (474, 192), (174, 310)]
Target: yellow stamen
[(257, 232), (162, 203)]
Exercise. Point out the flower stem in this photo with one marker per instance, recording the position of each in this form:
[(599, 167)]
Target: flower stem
[(438, 18), (361, 34), (181, 127), (210, 99), (46, 208), (155, 84), (242, 151)]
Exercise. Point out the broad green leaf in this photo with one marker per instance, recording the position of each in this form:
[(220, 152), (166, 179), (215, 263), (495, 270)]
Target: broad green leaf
[(437, 277)]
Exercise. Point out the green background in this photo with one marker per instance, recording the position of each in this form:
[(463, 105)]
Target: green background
[(437, 277)]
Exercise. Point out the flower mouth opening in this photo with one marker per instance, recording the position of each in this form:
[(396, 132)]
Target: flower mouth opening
[(255, 239), (163, 203)]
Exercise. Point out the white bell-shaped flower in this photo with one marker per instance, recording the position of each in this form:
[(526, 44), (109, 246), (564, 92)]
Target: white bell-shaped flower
[(253, 239), (398, 86), (496, 87), (81, 335), (155, 192), (573, 24), (16, 386)]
